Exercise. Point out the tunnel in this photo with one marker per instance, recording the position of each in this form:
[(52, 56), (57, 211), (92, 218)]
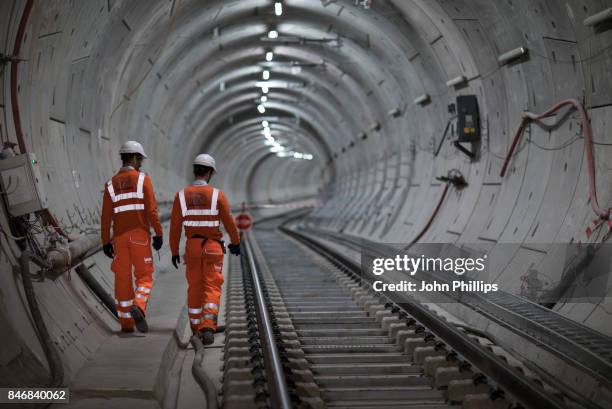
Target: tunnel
[(348, 133)]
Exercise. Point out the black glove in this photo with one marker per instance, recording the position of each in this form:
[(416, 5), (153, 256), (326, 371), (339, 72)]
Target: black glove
[(234, 249), (157, 242), (108, 250), (175, 261)]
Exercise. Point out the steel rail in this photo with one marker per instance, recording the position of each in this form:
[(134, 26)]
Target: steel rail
[(503, 309), (273, 364), (509, 379)]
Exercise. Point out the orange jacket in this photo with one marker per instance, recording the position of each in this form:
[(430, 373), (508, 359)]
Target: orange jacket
[(134, 205), (199, 213)]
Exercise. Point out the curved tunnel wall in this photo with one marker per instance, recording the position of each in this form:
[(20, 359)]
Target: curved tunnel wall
[(180, 76)]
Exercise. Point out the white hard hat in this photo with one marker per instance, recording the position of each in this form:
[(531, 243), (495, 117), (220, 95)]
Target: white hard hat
[(205, 159), (132, 147)]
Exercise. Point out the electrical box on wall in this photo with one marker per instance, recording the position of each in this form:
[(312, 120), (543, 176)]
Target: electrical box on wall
[(468, 119), (22, 184)]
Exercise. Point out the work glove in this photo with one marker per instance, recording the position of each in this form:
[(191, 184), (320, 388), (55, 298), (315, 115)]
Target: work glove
[(175, 261), (234, 249), (108, 250), (157, 242)]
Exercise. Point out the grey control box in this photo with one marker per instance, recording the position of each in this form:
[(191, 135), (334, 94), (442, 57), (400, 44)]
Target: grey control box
[(22, 184)]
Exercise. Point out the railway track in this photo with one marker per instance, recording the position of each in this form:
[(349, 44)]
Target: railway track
[(587, 349), (341, 346)]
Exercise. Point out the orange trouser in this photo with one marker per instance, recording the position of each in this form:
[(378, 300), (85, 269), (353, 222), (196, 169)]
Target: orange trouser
[(132, 252), (204, 260)]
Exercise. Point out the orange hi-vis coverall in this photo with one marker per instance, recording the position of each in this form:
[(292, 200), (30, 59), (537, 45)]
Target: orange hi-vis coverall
[(200, 208), (129, 204)]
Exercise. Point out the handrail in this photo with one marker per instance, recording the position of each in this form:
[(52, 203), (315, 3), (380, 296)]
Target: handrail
[(274, 368)]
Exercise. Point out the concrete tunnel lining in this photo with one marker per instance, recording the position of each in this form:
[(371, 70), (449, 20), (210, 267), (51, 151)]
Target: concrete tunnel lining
[(96, 73)]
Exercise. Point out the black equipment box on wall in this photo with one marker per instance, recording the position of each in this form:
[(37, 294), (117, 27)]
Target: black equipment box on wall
[(468, 120)]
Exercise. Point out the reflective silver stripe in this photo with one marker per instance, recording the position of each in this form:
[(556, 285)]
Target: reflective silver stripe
[(195, 310), (124, 196), (144, 296), (195, 320), (127, 208), (201, 212), (213, 211), (213, 204), (125, 303), (132, 195), (111, 190), (124, 314), (183, 204), (211, 305), (141, 178), (144, 289), (209, 316), (193, 223)]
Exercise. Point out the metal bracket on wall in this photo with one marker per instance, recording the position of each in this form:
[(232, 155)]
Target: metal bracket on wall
[(463, 149)]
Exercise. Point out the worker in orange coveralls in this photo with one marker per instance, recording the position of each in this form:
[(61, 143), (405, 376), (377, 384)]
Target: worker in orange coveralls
[(200, 207), (129, 203)]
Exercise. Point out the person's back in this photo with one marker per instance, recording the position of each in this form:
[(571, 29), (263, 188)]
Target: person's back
[(200, 209), (130, 208), (130, 196)]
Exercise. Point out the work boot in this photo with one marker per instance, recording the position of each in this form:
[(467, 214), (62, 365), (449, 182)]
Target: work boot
[(127, 330), (139, 319), (207, 335)]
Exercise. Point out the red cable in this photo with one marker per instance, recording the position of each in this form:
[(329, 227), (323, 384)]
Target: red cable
[(15, 101), (14, 98), (432, 217), (588, 146)]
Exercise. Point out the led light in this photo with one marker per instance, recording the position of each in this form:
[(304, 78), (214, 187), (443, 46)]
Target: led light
[(283, 154), (264, 99), (598, 18), (277, 148), (308, 157), (268, 142), (267, 132), (261, 109), (278, 8), (265, 124), (453, 82), (298, 155), (273, 34), (394, 113), (264, 90), (269, 56), (422, 99), (511, 55), (266, 75)]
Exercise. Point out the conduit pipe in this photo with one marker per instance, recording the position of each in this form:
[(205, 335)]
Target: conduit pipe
[(588, 147), (206, 384), (97, 289), (63, 259), (53, 358)]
